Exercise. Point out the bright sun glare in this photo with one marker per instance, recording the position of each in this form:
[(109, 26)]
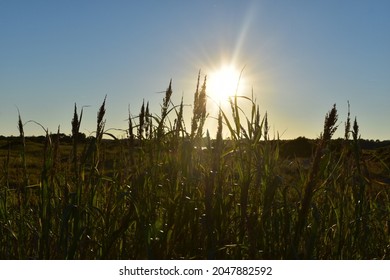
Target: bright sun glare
[(223, 83)]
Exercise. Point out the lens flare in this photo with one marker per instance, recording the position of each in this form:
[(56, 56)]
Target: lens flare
[(224, 83)]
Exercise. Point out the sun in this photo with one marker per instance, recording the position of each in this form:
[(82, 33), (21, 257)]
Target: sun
[(223, 83)]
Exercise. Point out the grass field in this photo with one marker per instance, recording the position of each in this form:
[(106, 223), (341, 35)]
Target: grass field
[(168, 193)]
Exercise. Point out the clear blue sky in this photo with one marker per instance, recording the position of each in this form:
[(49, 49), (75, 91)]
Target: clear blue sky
[(300, 57)]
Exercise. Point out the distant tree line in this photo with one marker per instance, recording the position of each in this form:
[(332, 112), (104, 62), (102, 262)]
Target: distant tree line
[(63, 138), (299, 147)]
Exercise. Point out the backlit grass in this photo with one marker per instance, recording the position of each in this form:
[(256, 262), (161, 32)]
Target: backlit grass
[(168, 193)]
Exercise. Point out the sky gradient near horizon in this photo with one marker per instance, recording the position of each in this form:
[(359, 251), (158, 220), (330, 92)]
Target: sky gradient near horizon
[(299, 57)]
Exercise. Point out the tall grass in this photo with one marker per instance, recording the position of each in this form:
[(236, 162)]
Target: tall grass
[(168, 193)]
